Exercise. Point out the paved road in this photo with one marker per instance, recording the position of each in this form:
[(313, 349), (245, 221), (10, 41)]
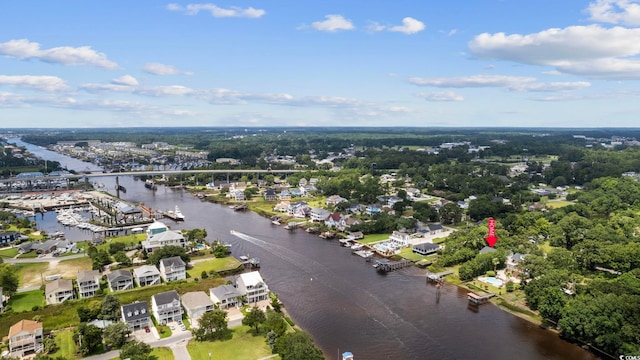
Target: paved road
[(177, 343), (43, 259)]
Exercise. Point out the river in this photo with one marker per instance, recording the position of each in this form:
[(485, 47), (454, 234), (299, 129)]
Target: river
[(342, 301)]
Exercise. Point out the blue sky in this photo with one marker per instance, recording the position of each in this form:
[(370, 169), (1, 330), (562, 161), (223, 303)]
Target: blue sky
[(259, 63)]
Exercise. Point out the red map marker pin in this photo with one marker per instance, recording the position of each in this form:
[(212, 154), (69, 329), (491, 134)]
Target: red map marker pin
[(491, 239)]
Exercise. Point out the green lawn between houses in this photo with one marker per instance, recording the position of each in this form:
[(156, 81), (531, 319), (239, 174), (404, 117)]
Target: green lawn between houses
[(213, 264), (66, 345), (27, 300), (371, 238), (9, 252), (243, 345)]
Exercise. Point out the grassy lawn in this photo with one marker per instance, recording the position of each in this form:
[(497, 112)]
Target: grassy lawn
[(9, 252), (29, 255), (27, 300), (163, 353), (164, 331), (371, 238), (408, 253), (66, 346), (243, 346), (128, 240), (554, 204), (215, 264)]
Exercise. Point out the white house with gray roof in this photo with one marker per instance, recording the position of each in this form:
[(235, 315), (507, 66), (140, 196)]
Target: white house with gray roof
[(173, 268), (146, 275), (225, 296), (166, 307), (88, 283), (120, 280)]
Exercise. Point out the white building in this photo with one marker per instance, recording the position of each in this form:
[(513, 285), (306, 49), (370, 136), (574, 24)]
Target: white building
[(252, 286), (173, 268), (196, 303), (88, 283), (166, 307)]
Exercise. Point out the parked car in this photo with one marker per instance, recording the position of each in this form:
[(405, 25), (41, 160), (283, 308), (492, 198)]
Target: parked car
[(146, 329)]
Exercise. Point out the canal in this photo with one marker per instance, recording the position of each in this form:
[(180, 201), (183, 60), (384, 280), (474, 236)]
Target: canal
[(344, 303)]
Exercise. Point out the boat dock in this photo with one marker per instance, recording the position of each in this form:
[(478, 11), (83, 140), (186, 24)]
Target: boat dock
[(384, 265), (479, 299), (294, 225), (438, 277), (248, 262), (239, 207)]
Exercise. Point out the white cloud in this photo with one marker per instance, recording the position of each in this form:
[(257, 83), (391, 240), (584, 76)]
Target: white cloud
[(46, 83), (162, 69), (409, 26), (169, 90), (126, 80), (333, 23), (441, 96), (216, 11), (591, 51), (24, 49), (472, 81), (625, 12), (551, 87)]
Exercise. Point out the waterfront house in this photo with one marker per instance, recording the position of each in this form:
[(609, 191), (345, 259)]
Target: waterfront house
[(335, 220), (7, 237), (282, 206), (302, 182), (164, 238), (136, 315), (334, 200), (173, 268), (196, 303), (237, 195), (25, 336), (319, 214), (270, 195), (400, 239), (426, 248), (299, 209), (350, 221), (225, 296), (146, 275), (58, 291), (166, 307), (88, 283), (252, 286), (120, 280)]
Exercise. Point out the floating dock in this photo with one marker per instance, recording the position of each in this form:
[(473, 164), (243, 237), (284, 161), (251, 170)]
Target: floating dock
[(438, 277)]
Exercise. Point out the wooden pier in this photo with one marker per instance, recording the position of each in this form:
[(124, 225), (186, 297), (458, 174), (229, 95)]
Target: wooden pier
[(384, 265), (479, 299), (438, 277)]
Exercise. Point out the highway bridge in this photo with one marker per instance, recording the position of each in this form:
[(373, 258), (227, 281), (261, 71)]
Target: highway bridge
[(143, 173)]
